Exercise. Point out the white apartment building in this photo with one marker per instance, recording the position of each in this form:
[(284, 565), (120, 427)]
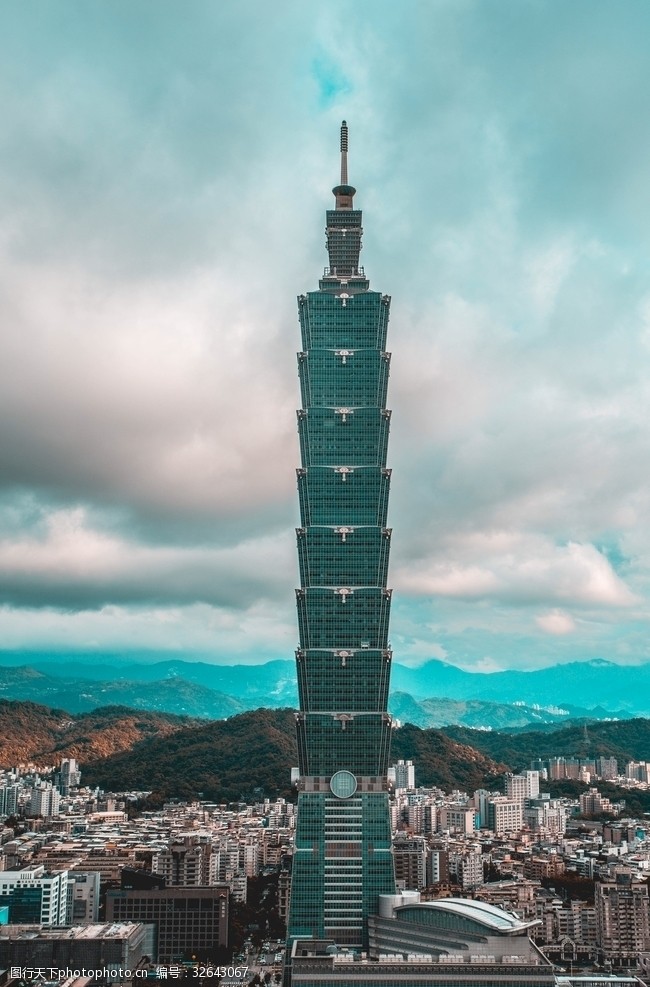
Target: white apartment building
[(638, 771), (187, 863), (44, 801), (466, 868), (593, 803), (249, 859), (523, 786)]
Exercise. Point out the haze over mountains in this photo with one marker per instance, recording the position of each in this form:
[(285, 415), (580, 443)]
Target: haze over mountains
[(431, 695)]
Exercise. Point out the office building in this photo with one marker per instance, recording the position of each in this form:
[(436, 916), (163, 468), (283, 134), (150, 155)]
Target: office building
[(8, 799), (404, 774), (68, 776), (505, 815), (110, 948), (481, 802), (188, 921), (342, 861), (522, 786), (456, 818), (34, 896)]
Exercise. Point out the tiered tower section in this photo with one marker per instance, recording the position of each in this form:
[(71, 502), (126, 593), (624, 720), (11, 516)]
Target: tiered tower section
[(342, 858)]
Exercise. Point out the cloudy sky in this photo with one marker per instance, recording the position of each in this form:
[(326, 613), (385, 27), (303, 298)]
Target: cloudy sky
[(165, 168)]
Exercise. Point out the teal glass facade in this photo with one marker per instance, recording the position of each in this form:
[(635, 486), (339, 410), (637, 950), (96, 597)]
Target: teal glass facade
[(342, 858)]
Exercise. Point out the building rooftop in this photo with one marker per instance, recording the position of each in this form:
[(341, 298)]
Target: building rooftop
[(104, 930), (495, 920)]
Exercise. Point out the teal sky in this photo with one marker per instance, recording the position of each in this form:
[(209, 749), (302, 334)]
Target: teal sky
[(164, 173)]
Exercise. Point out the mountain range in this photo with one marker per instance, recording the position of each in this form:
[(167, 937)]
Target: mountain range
[(434, 694)]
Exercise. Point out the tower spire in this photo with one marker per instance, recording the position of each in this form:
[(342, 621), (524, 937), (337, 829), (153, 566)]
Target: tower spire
[(344, 153), (344, 193)]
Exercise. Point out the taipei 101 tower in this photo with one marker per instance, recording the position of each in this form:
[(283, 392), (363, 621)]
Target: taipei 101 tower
[(342, 860)]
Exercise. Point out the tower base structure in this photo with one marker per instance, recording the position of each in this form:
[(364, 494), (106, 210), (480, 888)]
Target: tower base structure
[(451, 942), (339, 879)]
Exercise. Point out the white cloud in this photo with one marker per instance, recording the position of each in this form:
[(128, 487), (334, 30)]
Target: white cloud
[(518, 569), (556, 622), (548, 269), (218, 634), (165, 395), (74, 566)]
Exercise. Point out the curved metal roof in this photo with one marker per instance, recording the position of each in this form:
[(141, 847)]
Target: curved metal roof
[(494, 919)]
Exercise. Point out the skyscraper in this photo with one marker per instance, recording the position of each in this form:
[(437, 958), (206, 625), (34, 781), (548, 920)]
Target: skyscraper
[(342, 860)]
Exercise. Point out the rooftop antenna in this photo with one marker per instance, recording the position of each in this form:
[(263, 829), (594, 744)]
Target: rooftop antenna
[(344, 193), (344, 153)]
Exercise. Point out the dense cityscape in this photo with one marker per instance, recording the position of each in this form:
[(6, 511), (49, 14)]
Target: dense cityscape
[(87, 874), (450, 785)]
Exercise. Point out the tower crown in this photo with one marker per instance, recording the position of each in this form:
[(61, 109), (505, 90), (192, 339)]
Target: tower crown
[(344, 229)]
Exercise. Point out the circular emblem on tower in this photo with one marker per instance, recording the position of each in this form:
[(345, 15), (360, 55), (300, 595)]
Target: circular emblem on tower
[(343, 784)]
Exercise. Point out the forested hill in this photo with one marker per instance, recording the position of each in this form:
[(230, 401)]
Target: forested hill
[(122, 749), (31, 732), (623, 739), (232, 758)]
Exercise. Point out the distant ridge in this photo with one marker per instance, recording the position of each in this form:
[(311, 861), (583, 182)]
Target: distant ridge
[(588, 684), (434, 694)]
